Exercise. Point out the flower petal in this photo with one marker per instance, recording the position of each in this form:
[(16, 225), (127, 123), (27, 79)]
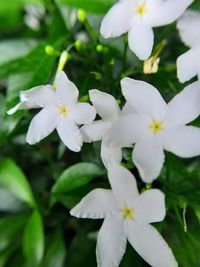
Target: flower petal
[(123, 184), (66, 90), (111, 242), (128, 128), (96, 205), (95, 131), (42, 125), (83, 113), (188, 26), (150, 245), (168, 12), (140, 39), (150, 206), (127, 109), (178, 114), (183, 141), (69, 134), (42, 96), (187, 65), (117, 21), (27, 104), (110, 155), (144, 97), (148, 156), (105, 105)]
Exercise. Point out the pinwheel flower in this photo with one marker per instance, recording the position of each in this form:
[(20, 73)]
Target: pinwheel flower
[(157, 126), (188, 65), (60, 111), (138, 18), (127, 216), (108, 109)]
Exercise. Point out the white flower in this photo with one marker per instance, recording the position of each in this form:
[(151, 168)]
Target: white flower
[(138, 17), (109, 111), (188, 64), (127, 216), (60, 111), (157, 126)]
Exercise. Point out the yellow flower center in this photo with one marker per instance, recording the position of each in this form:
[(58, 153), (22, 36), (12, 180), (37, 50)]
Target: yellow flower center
[(63, 111), (141, 9), (127, 213), (156, 126)]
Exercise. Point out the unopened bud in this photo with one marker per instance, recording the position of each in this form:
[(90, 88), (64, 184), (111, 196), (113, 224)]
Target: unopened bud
[(81, 15), (50, 50), (78, 45), (63, 60), (97, 75), (99, 48)]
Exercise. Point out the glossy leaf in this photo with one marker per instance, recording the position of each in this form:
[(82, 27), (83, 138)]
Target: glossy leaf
[(56, 252), (92, 6), (13, 179), (76, 176), (10, 228), (33, 241)]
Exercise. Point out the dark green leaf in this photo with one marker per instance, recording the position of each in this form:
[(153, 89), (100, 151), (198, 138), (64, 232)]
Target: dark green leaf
[(33, 241), (13, 179), (93, 6), (4, 255), (56, 252), (8, 202), (76, 176), (9, 228), (13, 49)]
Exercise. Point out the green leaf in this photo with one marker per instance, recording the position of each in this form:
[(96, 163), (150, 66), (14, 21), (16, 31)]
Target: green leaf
[(8, 202), (13, 49), (92, 6), (77, 176), (9, 228), (11, 14), (13, 179), (43, 65), (33, 241), (56, 252), (81, 251), (4, 255)]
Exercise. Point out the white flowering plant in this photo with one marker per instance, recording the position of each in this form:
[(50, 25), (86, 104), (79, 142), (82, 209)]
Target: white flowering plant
[(99, 133)]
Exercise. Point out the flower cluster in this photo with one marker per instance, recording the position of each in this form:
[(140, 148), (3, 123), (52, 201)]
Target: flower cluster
[(145, 121)]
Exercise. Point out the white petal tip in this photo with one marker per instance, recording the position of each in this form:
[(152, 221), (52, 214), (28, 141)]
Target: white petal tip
[(14, 109), (93, 93), (11, 111), (147, 179), (31, 142), (75, 149), (104, 32), (73, 213)]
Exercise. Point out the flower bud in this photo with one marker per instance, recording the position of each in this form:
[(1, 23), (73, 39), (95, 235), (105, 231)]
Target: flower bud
[(81, 15)]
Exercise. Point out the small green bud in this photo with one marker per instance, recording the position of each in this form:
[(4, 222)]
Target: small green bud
[(81, 15), (182, 203), (106, 50), (78, 45), (148, 186), (112, 62), (99, 48), (97, 75), (119, 101), (50, 50)]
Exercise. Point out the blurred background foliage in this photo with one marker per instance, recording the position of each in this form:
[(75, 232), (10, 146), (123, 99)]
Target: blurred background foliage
[(40, 183)]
